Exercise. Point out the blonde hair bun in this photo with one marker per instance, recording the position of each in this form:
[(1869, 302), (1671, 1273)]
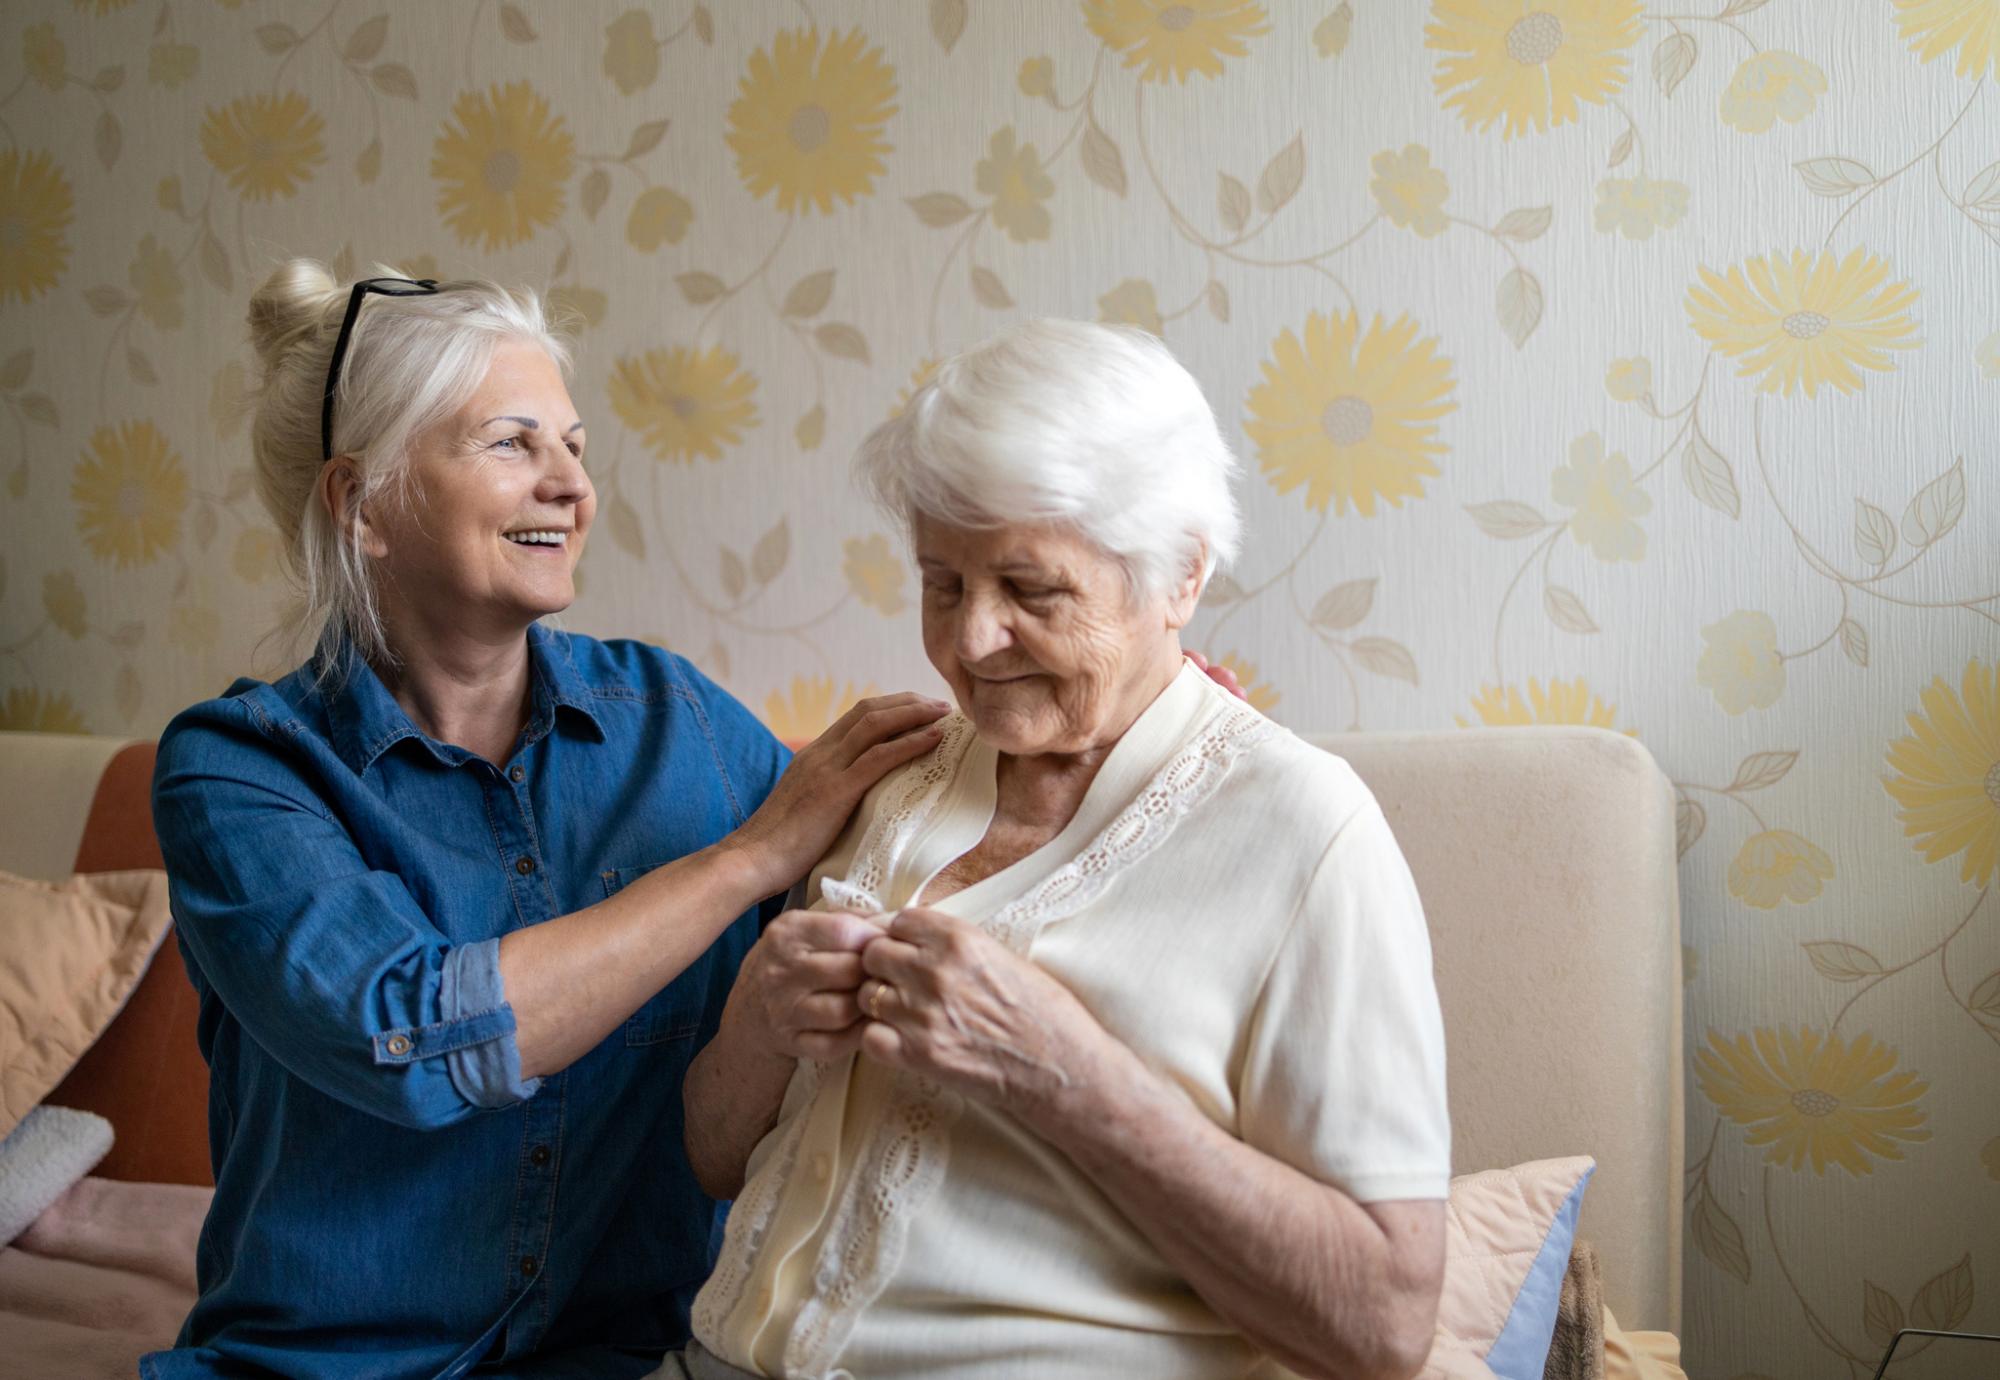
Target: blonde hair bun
[(291, 309)]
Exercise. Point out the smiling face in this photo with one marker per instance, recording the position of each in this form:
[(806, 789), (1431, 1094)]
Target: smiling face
[(1039, 637), (498, 506)]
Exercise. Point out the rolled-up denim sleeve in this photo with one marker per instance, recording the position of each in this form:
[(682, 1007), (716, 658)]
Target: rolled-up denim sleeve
[(487, 1074), (327, 962)]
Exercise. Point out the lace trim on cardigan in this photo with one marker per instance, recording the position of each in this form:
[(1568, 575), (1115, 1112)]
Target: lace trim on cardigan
[(750, 1221), (914, 799), (906, 806), (912, 1145)]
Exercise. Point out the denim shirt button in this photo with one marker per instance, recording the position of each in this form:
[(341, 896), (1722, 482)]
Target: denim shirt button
[(398, 1045), (529, 1265), (517, 774), (539, 1156), (524, 866)]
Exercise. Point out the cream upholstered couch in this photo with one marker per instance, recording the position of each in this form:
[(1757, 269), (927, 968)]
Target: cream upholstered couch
[(1545, 858), (1546, 861)]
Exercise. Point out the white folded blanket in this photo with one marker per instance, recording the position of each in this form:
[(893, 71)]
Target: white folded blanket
[(50, 1150)]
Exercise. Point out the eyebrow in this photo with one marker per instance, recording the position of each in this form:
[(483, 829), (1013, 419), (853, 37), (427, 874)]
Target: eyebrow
[(531, 423), (1018, 566)]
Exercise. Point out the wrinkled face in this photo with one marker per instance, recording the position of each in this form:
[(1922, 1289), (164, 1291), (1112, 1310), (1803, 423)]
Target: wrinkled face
[(1040, 639), (498, 506)]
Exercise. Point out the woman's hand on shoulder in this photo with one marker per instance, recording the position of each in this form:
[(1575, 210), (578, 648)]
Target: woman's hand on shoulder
[(947, 1000), (804, 813)]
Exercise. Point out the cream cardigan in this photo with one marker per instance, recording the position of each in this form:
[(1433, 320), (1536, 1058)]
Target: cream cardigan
[(1230, 903)]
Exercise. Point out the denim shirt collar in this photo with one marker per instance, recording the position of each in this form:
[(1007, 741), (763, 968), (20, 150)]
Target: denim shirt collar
[(365, 721)]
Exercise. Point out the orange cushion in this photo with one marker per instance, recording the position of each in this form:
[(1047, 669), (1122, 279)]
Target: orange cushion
[(145, 1075), (73, 952)]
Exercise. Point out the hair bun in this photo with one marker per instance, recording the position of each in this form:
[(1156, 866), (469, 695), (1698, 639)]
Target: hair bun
[(291, 309)]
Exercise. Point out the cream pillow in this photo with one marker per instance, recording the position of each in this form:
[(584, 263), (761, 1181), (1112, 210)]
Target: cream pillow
[(70, 954), (1508, 1234)]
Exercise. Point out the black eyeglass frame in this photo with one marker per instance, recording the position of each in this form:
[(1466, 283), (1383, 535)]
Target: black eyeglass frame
[(386, 287)]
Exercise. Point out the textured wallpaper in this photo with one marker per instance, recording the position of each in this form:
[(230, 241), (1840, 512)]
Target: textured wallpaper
[(1589, 362)]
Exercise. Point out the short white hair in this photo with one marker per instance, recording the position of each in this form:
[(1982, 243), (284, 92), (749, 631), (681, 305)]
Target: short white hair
[(1097, 427), (411, 363)]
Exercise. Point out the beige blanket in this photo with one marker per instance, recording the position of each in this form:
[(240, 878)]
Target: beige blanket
[(103, 1276)]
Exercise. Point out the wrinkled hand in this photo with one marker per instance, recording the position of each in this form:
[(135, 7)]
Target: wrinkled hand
[(948, 1001), (797, 989), (1218, 673), (797, 822)]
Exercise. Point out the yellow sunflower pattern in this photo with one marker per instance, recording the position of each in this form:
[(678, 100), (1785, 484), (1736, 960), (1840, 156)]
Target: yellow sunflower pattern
[(1530, 67), (1659, 294), (1813, 1098), (266, 146), (32, 711), (36, 207), (809, 120), (1262, 695), (502, 164), (130, 490), (809, 707), (685, 403), (1559, 702), (1351, 414), (1803, 322), (1945, 774), (1968, 28), (1176, 40)]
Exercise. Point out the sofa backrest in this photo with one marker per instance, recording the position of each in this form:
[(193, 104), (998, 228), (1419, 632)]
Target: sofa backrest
[(1546, 861)]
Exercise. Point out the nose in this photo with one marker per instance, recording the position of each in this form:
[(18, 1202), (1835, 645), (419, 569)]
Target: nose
[(982, 627), (563, 479)]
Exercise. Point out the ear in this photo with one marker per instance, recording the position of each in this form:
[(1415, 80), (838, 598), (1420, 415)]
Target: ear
[(1181, 600), (339, 492)]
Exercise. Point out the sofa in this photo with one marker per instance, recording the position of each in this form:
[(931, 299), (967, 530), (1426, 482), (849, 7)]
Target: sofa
[(1545, 858)]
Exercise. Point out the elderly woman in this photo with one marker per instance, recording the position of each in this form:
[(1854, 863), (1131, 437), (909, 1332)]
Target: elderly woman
[(461, 895), (1138, 1070)]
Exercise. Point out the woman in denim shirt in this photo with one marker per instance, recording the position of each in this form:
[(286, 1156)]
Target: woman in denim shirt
[(461, 895)]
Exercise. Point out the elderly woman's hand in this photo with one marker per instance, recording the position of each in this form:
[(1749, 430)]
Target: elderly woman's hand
[(798, 821), (948, 1001), (797, 992)]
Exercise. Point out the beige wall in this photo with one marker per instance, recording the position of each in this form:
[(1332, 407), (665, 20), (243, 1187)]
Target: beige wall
[(1596, 363)]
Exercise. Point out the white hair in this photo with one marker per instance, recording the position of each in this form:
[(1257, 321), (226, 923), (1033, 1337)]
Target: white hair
[(1097, 427), (411, 363)]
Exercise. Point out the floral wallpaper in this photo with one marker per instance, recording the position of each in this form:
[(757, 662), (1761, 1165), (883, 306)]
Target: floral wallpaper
[(1591, 361)]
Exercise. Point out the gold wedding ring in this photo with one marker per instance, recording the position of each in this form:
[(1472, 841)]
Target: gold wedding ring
[(875, 1000)]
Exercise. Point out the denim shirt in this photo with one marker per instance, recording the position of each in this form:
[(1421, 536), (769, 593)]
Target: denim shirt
[(392, 1198)]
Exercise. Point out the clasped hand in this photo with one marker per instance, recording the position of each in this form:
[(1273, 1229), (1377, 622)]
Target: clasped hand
[(927, 992)]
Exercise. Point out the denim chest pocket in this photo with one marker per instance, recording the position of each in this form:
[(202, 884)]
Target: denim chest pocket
[(673, 1014)]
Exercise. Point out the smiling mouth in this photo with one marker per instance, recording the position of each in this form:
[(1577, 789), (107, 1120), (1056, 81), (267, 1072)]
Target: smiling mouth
[(544, 538)]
